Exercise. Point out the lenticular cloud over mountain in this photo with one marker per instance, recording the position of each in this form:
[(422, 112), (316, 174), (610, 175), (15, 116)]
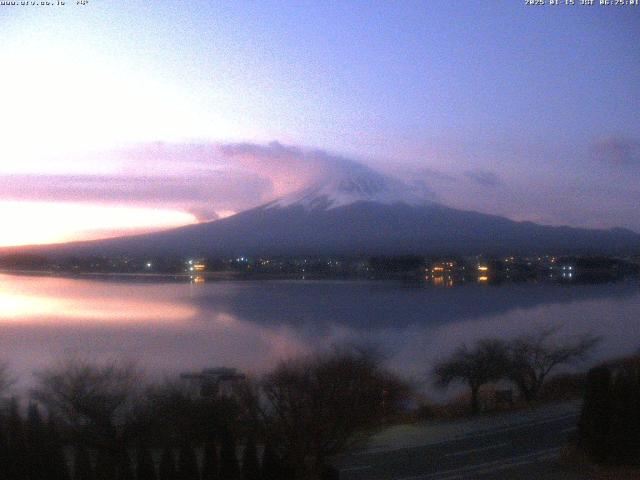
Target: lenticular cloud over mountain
[(316, 178), (348, 183)]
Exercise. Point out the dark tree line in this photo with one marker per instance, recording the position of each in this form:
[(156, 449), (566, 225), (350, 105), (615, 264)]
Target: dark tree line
[(30, 448), (526, 361), (104, 423)]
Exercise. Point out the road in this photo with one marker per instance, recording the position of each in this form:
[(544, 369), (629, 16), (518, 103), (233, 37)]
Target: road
[(521, 446)]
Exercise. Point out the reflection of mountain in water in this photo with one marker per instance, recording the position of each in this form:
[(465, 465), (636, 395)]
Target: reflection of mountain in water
[(384, 304)]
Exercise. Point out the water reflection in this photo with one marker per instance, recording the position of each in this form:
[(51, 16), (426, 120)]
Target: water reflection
[(48, 299), (252, 324), (375, 305), (18, 307)]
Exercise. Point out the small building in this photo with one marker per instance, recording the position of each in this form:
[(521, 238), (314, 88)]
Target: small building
[(197, 265)]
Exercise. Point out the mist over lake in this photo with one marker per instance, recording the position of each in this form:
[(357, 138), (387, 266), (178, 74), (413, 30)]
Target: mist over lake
[(171, 326)]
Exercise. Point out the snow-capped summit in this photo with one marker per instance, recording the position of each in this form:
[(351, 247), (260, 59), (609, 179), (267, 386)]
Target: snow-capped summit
[(345, 186)]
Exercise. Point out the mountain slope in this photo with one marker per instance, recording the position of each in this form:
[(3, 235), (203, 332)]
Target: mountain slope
[(356, 211), (361, 228)]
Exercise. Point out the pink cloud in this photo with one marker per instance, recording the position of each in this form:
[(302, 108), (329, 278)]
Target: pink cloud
[(206, 179)]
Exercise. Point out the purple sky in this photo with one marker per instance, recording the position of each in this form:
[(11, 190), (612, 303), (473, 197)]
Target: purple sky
[(123, 107)]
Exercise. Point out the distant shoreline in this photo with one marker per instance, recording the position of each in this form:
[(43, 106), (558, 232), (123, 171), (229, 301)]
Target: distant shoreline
[(223, 275), (237, 276)]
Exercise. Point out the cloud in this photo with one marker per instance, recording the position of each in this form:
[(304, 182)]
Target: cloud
[(288, 167), (292, 168), (206, 195), (211, 180), (617, 151), (208, 180), (484, 178)]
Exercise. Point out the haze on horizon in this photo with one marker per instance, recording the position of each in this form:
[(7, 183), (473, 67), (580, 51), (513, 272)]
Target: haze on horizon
[(121, 117)]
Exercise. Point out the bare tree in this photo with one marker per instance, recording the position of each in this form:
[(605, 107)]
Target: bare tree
[(486, 362), (533, 357), (94, 400), (318, 406)]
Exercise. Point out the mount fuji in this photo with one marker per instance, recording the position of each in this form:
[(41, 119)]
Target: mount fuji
[(358, 211), (347, 186)]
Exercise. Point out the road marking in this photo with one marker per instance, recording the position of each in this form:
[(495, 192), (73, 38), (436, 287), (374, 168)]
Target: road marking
[(518, 426), (500, 464), (479, 449), (355, 468), (505, 465)]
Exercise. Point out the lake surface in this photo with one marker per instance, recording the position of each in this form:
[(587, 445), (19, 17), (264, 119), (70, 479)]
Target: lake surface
[(173, 327)]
